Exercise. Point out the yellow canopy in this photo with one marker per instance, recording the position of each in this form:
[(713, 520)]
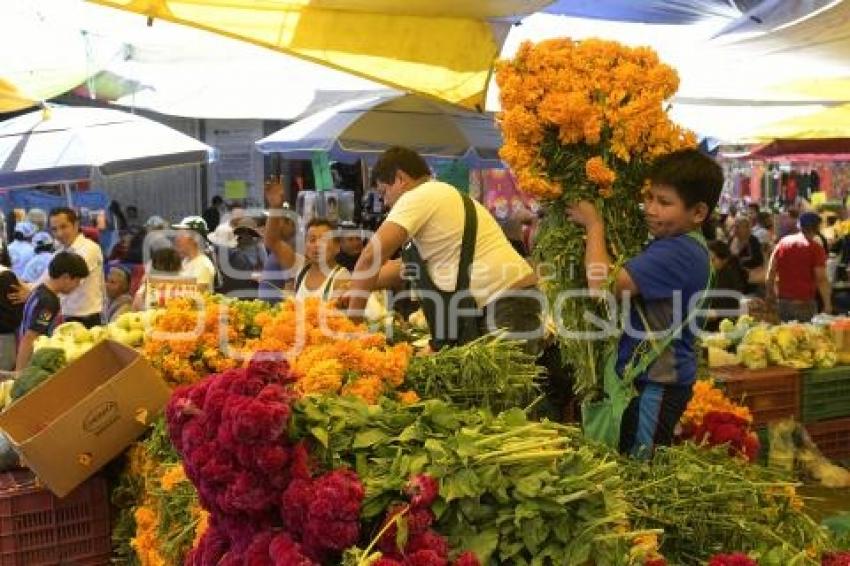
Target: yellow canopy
[(439, 48), (830, 123)]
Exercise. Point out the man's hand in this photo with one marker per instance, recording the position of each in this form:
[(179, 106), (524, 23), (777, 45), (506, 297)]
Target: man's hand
[(274, 192), (19, 294), (584, 213)]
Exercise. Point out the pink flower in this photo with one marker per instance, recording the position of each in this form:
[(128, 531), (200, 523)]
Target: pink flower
[(248, 494), (422, 490), (265, 365)]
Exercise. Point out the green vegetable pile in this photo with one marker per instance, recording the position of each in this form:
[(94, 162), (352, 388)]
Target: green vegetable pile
[(709, 503), (489, 372), (512, 490), (43, 364)]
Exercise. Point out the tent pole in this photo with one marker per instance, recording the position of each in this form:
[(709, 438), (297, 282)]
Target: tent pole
[(67, 188)]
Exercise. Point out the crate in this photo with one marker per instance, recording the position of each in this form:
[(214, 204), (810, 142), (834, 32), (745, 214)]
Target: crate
[(832, 438), (39, 529), (825, 394), (771, 394)]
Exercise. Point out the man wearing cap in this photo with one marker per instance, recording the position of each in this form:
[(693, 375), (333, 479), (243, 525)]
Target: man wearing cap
[(245, 259), (37, 266), (188, 243), (21, 249), (796, 273)]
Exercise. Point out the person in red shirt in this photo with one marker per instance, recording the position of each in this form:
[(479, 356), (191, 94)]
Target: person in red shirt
[(797, 273)]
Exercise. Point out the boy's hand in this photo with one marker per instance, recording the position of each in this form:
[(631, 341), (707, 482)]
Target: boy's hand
[(274, 192), (584, 213)]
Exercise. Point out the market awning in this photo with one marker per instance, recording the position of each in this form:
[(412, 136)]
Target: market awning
[(811, 149), (832, 123), (439, 48)]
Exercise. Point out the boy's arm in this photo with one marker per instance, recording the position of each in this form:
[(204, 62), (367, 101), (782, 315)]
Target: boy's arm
[(597, 262), (25, 349)]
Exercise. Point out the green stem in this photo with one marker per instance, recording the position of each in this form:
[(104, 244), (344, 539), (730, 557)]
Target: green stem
[(364, 561)]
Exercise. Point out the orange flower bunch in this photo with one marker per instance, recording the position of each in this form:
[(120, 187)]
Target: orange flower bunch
[(706, 399), (601, 95), (185, 344), (329, 352)]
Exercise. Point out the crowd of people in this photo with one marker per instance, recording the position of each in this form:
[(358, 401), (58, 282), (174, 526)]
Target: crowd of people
[(777, 262)]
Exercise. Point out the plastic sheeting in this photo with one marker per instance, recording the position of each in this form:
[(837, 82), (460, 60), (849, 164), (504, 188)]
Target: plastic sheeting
[(439, 48)]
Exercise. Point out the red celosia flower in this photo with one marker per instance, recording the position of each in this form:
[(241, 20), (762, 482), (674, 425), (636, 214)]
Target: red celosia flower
[(384, 561), (286, 552), (836, 559), (333, 516), (422, 490), (426, 558), (655, 562), (257, 553), (737, 559), (429, 540), (295, 504), (211, 548), (468, 558)]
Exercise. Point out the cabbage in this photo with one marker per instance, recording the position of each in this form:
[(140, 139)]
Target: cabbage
[(757, 336), (754, 356)]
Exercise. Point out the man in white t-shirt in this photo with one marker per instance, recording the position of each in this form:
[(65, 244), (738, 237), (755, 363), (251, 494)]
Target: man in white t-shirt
[(188, 242), (432, 216)]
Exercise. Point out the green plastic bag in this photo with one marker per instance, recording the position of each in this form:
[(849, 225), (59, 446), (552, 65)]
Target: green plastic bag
[(601, 419)]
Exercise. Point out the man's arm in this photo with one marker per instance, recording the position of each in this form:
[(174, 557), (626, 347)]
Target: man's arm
[(597, 262), (390, 276), (25, 349), (770, 278), (278, 228), (824, 288), (368, 271)]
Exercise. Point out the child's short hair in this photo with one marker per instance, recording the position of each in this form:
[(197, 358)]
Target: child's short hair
[(398, 158), (68, 263), (693, 175)]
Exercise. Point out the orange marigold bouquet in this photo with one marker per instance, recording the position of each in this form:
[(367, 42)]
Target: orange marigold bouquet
[(583, 120), (330, 353)]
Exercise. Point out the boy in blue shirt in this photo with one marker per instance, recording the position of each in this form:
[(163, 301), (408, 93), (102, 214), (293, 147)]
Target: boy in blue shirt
[(41, 311), (662, 283)]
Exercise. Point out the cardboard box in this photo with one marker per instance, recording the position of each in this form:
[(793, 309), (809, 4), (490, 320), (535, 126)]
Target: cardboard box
[(68, 427)]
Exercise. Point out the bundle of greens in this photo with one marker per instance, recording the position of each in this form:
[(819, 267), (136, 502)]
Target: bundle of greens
[(489, 372), (708, 503), (511, 490)]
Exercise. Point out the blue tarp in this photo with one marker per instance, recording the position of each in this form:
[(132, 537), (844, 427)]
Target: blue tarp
[(653, 11), (93, 200)]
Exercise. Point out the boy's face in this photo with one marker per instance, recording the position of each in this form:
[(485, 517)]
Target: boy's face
[(66, 284), (668, 215)]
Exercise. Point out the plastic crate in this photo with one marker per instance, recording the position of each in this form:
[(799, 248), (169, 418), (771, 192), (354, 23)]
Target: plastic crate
[(772, 393), (39, 529), (825, 394), (832, 438)]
